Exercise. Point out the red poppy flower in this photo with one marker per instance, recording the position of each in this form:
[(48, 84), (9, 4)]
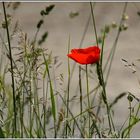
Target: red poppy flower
[(84, 56)]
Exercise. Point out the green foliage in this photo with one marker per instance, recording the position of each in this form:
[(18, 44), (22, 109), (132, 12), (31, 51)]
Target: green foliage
[(38, 87), (51, 91)]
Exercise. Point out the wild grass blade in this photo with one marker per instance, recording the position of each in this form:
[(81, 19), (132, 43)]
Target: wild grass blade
[(112, 53), (133, 122), (72, 117), (51, 95), (68, 90), (12, 72), (83, 112), (100, 75)]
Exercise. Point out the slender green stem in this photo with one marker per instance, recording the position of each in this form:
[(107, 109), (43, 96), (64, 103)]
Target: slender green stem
[(111, 56), (22, 113), (30, 105), (40, 124), (12, 71), (36, 102), (68, 90), (82, 40), (138, 109), (112, 50), (80, 87), (81, 96), (52, 96), (87, 82), (101, 81), (72, 117), (100, 73), (102, 52), (94, 24), (85, 111), (44, 106), (130, 113)]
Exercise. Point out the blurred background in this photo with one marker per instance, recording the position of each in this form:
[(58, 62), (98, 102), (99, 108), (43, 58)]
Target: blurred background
[(73, 19)]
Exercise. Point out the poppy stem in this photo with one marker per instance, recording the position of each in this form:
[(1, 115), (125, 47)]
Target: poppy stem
[(81, 96), (87, 82), (80, 86)]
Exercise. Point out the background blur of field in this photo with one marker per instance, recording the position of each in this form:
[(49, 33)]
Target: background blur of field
[(60, 26)]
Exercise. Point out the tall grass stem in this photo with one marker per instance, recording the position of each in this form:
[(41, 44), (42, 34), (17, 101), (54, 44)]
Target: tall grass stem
[(100, 73), (12, 71), (68, 90)]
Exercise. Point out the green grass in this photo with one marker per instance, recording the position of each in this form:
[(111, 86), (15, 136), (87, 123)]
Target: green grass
[(31, 104)]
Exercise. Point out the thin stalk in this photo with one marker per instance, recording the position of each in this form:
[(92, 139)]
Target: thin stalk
[(30, 106), (100, 74), (101, 81), (115, 43), (94, 25), (23, 95), (102, 52), (73, 128), (72, 117), (113, 51), (44, 106), (130, 114), (52, 96), (36, 102), (101, 62), (110, 54), (138, 109), (22, 113), (87, 82), (12, 71), (81, 96), (80, 45), (80, 87), (40, 124), (19, 103), (96, 127), (87, 110), (81, 42), (68, 90)]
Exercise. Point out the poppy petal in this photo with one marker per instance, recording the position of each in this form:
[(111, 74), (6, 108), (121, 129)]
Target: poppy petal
[(84, 56)]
